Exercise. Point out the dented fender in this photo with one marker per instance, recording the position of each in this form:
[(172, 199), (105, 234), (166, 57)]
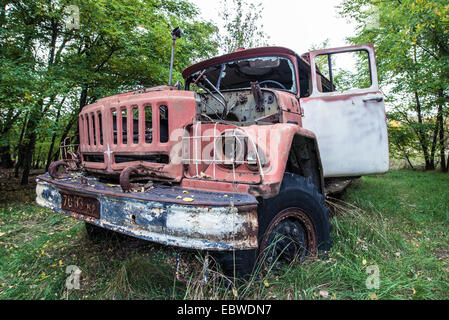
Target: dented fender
[(276, 141)]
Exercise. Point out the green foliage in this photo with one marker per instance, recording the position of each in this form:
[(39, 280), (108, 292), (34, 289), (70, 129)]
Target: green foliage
[(412, 47), (242, 25), (119, 45)]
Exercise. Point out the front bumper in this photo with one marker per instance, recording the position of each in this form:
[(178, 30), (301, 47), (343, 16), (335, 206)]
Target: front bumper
[(212, 221)]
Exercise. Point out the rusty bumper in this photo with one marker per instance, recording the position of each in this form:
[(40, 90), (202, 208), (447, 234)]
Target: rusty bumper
[(212, 221)]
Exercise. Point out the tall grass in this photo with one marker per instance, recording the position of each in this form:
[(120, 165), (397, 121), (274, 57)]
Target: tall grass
[(397, 222)]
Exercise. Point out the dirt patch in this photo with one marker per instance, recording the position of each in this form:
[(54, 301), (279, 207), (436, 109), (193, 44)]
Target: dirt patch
[(12, 191)]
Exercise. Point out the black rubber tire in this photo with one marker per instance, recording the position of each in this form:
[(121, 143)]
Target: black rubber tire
[(97, 233), (238, 264), (295, 192)]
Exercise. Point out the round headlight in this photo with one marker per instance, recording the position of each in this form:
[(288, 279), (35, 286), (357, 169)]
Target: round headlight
[(254, 157), (231, 148)]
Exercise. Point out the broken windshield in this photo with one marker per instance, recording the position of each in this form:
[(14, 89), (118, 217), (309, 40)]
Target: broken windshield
[(269, 71)]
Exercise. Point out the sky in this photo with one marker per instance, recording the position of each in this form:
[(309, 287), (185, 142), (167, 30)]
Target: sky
[(295, 24)]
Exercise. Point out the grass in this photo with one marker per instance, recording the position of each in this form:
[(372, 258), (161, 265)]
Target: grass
[(397, 222)]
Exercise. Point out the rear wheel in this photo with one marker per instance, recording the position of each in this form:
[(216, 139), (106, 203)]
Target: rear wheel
[(292, 225)]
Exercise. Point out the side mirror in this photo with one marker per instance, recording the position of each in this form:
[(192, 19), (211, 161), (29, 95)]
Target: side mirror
[(176, 33)]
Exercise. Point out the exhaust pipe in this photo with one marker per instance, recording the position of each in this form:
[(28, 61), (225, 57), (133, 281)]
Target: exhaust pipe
[(176, 33)]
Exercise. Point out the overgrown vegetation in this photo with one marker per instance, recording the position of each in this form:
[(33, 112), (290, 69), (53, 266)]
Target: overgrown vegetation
[(242, 25), (411, 38), (51, 69), (396, 221)]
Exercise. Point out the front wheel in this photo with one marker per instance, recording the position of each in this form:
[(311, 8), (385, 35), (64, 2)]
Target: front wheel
[(292, 225), (96, 233)]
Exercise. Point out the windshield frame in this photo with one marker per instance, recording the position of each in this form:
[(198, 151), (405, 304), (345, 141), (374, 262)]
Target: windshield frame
[(291, 62)]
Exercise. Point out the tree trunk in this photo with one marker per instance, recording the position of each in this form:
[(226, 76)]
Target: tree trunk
[(28, 148), (38, 112), (20, 155), (5, 151), (440, 119), (408, 160), (429, 160), (447, 162), (5, 158), (53, 138), (433, 147), (74, 120)]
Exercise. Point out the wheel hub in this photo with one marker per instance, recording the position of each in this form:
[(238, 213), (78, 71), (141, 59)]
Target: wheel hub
[(289, 236)]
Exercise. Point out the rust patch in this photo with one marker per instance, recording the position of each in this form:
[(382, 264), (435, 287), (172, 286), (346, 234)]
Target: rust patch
[(80, 203), (125, 176), (53, 169)]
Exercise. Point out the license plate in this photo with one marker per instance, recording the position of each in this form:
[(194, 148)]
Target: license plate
[(81, 204)]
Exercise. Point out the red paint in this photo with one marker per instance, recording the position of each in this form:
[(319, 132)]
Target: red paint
[(182, 119)]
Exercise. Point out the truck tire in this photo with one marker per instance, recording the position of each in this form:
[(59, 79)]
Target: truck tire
[(96, 233), (293, 224)]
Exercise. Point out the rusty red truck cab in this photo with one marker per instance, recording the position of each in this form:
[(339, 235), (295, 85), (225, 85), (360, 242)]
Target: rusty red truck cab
[(208, 167)]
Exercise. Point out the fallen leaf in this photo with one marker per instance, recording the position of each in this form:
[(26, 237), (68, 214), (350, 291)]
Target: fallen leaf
[(203, 175), (413, 291), (398, 254), (1, 234), (324, 293), (186, 199), (234, 292), (373, 296)]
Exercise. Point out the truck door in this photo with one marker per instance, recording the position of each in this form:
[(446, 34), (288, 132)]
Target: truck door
[(346, 111)]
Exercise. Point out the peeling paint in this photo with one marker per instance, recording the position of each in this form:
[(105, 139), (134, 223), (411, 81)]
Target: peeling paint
[(190, 226)]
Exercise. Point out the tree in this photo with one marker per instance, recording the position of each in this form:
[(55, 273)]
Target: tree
[(52, 71), (241, 25), (412, 46)]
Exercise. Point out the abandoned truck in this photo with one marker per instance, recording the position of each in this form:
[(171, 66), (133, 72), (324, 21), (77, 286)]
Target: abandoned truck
[(236, 163)]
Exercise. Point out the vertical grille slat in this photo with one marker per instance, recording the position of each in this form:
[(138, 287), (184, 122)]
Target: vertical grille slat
[(129, 130), (148, 123), (141, 124), (114, 126), (163, 124), (135, 124), (94, 130), (119, 127), (89, 129), (125, 125), (100, 126), (86, 130)]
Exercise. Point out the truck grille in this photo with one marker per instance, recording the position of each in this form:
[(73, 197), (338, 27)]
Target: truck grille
[(130, 135)]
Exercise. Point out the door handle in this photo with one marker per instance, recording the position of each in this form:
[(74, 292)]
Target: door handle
[(377, 99)]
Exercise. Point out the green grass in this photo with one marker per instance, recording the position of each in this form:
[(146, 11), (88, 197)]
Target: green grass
[(397, 222)]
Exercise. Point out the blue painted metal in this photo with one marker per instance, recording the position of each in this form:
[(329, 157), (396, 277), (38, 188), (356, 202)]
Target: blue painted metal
[(212, 221)]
